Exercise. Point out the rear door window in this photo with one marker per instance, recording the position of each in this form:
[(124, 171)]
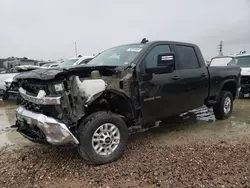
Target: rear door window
[(187, 57)]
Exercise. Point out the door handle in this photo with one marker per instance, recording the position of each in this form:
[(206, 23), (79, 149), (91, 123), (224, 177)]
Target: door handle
[(176, 78), (203, 75)]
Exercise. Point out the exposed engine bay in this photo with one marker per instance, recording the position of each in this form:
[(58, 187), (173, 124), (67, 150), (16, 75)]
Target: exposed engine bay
[(71, 95), (80, 92)]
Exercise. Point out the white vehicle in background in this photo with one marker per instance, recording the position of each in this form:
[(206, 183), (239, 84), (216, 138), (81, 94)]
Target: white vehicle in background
[(243, 61), (9, 87), (5, 76), (220, 61), (75, 61), (50, 65)]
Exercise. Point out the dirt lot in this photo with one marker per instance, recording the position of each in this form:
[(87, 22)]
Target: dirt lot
[(193, 150)]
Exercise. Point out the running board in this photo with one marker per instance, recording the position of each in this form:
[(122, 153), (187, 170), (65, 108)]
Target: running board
[(211, 102)]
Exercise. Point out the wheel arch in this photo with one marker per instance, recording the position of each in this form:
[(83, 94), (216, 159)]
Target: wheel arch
[(229, 85), (111, 100)]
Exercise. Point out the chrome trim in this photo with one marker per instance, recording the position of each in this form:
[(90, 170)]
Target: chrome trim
[(15, 92), (40, 98), (56, 132)]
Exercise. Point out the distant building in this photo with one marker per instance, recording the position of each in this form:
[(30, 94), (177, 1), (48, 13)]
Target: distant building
[(11, 62)]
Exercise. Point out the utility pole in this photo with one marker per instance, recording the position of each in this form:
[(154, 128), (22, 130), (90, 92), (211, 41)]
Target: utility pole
[(220, 48), (75, 49)]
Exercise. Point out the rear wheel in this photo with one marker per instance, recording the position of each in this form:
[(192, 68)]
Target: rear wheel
[(223, 108), (103, 137)]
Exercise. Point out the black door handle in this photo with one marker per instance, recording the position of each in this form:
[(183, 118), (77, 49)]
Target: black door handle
[(176, 78), (203, 75)]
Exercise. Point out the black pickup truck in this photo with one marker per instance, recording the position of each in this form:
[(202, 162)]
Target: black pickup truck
[(94, 107)]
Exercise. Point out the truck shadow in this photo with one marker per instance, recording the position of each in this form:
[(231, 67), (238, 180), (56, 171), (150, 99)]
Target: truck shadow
[(188, 120)]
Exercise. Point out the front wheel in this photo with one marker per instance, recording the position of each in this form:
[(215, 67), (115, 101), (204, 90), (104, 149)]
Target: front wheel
[(5, 96), (103, 137), (18, 99), (223, 108)]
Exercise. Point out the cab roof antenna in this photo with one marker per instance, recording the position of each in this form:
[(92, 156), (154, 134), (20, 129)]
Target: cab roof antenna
[(144, 40)]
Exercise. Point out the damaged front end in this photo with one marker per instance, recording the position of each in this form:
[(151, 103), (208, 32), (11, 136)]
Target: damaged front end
[(40, 117), (52, 106)]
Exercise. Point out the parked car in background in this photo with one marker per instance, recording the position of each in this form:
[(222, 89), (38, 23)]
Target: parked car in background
[(50, 65), (10, 86), (75, 62), (41, 63), (5, 76), (243, 61), (220, 61), (94, 107)]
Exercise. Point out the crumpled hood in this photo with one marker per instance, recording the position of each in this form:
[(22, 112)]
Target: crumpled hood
[(52, 73), (40, 74)]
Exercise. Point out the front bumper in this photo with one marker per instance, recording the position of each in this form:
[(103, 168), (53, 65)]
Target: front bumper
[(55, 132), (245, 88)]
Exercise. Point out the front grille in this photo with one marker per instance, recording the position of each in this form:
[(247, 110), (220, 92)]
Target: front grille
[(245, 80), (31, 106), (33, 87), (47, 110)]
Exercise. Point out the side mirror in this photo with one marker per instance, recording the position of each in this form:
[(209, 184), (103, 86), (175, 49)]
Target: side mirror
[(165, 64)]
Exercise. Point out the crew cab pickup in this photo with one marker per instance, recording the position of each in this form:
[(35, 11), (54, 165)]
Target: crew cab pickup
[(94, 106)]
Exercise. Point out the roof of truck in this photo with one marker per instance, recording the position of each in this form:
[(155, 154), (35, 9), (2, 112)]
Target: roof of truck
[(242, 55), (167, 41), (155, 42)]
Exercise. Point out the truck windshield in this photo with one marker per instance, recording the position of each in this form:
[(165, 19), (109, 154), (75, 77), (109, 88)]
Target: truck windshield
[(118, 56), (220, 61), (243, 61)]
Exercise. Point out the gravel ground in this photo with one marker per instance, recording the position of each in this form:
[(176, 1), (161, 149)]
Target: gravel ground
[(193, 150), (147, 163)]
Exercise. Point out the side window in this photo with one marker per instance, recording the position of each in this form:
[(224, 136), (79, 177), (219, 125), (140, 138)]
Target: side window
[(187, 57), (151, 58)]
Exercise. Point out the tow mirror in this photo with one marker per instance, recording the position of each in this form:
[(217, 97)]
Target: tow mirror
[(165, 64)]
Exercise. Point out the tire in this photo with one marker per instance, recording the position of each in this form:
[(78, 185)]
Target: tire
[(18, 99), (5, 96), (89, 126), (208, 105), (241, 96), (218, 108)]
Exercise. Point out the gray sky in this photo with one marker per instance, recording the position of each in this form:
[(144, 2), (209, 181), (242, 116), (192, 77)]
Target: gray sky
[(47, 29)]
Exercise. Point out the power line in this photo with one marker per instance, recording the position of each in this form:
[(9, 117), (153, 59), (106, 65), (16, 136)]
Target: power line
[(220, 48), (75, 49)]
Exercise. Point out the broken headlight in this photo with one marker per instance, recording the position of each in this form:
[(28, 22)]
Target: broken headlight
[(58, 87)]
